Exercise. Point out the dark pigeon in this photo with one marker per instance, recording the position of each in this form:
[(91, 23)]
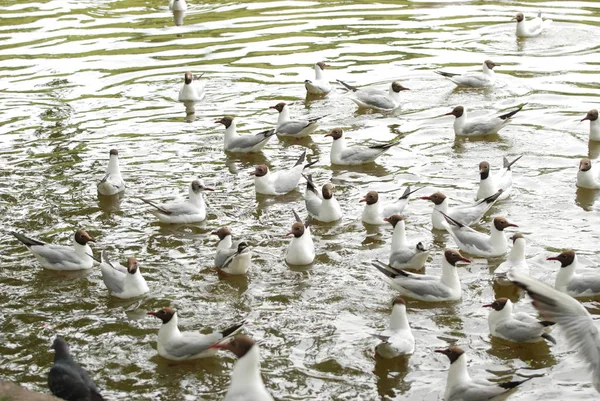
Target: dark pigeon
[(68, 380)]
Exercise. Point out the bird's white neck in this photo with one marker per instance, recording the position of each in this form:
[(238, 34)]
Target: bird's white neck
[(168, 330), (457, 374), (230, 133), (564, 275), (394, 95), (595, 130), (318, 73), (398, 319), (196, 198), (487, 70), (436, 217), (337, 148), (459, 122), (246, 371), (284, 115), (496, 316), (399, 236), (135, 280), (517, 252), (83, 251), (225, 243), (450, 275), (498, 239), (113, 165)]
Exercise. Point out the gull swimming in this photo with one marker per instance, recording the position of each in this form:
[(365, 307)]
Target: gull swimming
[(480, 125), (235, 143), (320, 85), (371, 98), (191, 210), (483, 79), (354, 155), (112, 183)]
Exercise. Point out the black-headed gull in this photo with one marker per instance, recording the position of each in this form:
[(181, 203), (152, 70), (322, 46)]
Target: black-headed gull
[(112, 183), (533, 27), (481, 125), (320, 85), (515, 260), (371, 98), (592, 117), (586, 284), (67, 379), (466, 214), (323, 207), (574, 319), (483, 79), (588, 175), (354, 155), (376, 213), (301, 250), (460, 386), (476, 243), (235, 260), (246, 382), (191, 92), (405, 255), (279, 182), (123, 282), (232, 142), (489, 183), (517, 327), (182, 346), (293, 128), (398, 339), (58, 257), (191, 210), (425, 287), (178, 8)]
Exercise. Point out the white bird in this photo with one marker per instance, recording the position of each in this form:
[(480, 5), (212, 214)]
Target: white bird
[(123, 282), (246, 382), (466, 214), (192, 210), (588, 175), (533, 27), (489, 184), (323, 207), (575, 284), (375, 213), (479, 126), (517, 327), (320, 85), (398, 339), (235, 260), (178, 7), (112, 183), (370, 98), (425, 287), (476, 243), (460, 386), (191, 92), (232, 142), (515, 261), (353, 155), (577, 324), (279, 182), (58, 257), (301, 250), (405, 255), (592, 117), (293, 128), (483, 79), (176, 345)]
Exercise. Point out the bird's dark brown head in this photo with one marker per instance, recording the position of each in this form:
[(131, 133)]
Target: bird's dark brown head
[(82, 237), (226, 121), (188, 78), (322, 65), (501, 223), (164, 314), (566, 258), (397, 87), (453, 257), (516, 236), (453, 352), (519, 17), (60, 346), (327, 191), (222, 232), (490, 64), (437, 198), (297, 229), (591, 115), (335, 133), (132, 265), (260, 170), (279, 106), (113, 152), (240, 345), (498, 304), (394, 219), (585, 164), (456, 112), (398, 301), (484, 170), (370, 198)]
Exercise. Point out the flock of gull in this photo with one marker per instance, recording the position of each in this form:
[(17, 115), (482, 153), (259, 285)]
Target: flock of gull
[(403, 269)]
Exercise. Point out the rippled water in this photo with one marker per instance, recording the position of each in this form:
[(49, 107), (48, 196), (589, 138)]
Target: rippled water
[(81, 77)]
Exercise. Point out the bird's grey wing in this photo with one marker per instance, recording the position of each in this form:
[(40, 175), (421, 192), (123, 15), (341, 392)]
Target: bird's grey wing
[(55, 254), (477, 392), (376, 99), (519, 330), (64, 381), (360, 153), (425, 287), (482, 125), (471, 214), (112, 276), (246, 141), (394, 208), (191, 343), (224, 257), (402, 256), (313, 203), (287, 180), (469, 237), (471, 79), (575, 321), (292, 127), (179, 208)]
